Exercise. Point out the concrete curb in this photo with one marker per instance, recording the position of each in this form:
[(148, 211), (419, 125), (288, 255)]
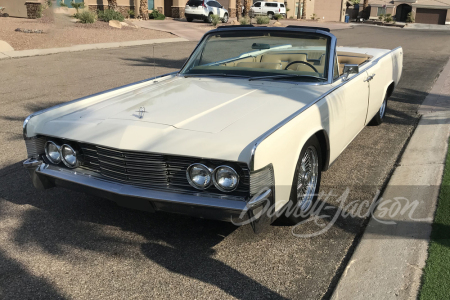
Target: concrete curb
[(389, 259), (36, 52)]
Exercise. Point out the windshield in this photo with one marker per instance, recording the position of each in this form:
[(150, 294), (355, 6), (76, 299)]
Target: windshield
[(261, 53)]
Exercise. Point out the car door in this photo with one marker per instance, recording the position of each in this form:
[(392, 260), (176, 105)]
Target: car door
[(220, 10), (377, 90), (356, 93), (257, 8)]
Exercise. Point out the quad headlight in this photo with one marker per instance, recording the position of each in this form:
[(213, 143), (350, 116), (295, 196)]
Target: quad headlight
[(69, 156), (201, 177), (65, 153), (225, 179), (52, 152)]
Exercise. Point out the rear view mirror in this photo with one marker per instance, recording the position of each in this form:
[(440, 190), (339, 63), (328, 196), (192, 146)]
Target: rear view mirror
[(350, 69), (260, 46)]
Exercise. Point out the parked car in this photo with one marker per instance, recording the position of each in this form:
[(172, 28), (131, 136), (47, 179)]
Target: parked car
[(262, 8), (253, 118), (203, 10)]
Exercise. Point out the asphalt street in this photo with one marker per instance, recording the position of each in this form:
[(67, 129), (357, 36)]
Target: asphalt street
[(60, 244)]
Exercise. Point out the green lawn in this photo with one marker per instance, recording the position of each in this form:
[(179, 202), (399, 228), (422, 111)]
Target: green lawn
[(436, 277)]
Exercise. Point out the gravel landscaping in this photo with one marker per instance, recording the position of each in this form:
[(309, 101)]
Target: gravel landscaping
[(59, 31)]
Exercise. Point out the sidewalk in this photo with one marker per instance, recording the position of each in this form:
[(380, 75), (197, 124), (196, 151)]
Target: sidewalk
[(388, 262), (36, 52)]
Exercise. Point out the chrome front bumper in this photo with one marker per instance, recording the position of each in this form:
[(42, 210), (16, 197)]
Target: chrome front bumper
[(46, 176)]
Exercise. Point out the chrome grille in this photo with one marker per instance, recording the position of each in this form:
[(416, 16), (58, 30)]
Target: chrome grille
[(35, 146), (155, 171)]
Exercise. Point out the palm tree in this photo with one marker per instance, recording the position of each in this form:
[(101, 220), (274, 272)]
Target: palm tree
[(304, 10), (143, 9), (238, 10), (112, 4), (245, 8)]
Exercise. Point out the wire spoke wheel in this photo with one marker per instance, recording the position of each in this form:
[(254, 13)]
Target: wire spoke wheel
[(307, 178)]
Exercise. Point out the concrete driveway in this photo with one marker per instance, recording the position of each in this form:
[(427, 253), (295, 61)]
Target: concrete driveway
[(59, 244)]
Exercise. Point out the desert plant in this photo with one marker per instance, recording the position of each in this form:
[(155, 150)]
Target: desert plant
[(262, 20), (291, 17), (388, 18), (62, 4), (244, 21), (381, 17), (313, 17), (278, 17), (215, 19), (87, 16), (49, 3), (131, 13), (156, 15), (409, 18), (109, 14), (77, 6)]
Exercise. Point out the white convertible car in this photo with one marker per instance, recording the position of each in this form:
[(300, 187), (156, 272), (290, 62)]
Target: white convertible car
[(253, 117)]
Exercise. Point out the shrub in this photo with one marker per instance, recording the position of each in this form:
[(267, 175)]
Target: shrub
[(245, 21), (388, 18), (87, 16), (278, 17), (313, 17), (155, 15), (262, 20), (409, 18), (49, 3), (215, 19), (291, 17), (109, 14), (131, 13), (62, 4), (77, 6), (381, 17)]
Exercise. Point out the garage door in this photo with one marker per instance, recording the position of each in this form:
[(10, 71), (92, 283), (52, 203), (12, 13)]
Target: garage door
[(431, 16)]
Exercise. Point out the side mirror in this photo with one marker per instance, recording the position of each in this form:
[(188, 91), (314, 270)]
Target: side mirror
[(350, 69)]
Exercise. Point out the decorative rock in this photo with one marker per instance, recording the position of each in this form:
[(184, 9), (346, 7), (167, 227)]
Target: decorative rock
[(115, 24), (235, 22), (277, 24), (124, 24), (74, 20)]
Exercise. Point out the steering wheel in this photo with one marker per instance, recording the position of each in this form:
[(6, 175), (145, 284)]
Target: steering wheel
[(301, 62)]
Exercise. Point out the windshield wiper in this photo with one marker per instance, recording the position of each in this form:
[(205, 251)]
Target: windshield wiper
[(286, 76), (213, 74)]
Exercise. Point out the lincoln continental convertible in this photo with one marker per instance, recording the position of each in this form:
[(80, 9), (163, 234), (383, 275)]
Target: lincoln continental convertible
[(254, 117)]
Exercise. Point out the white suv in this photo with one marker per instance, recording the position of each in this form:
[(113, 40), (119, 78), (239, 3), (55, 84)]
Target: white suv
[(204, 9), (262, 8)]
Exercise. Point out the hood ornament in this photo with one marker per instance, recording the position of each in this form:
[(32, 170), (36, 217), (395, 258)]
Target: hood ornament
[(141, 112)]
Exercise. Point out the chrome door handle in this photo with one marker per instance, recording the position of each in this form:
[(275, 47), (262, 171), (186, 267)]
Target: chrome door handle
[(369, 78)]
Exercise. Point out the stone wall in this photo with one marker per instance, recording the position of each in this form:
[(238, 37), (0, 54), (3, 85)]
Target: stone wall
[(177, 12), (34, 9)]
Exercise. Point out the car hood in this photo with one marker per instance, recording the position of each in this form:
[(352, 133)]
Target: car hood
[(202, 117), (197, 105)]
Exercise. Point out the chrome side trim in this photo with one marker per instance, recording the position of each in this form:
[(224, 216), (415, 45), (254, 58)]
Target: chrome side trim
[(25, 123), (295, 114)]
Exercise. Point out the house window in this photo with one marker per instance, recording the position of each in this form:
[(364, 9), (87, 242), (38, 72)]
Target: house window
[(381, 11)]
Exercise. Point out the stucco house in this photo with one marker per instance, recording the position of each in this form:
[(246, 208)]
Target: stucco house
[(422, 11)]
